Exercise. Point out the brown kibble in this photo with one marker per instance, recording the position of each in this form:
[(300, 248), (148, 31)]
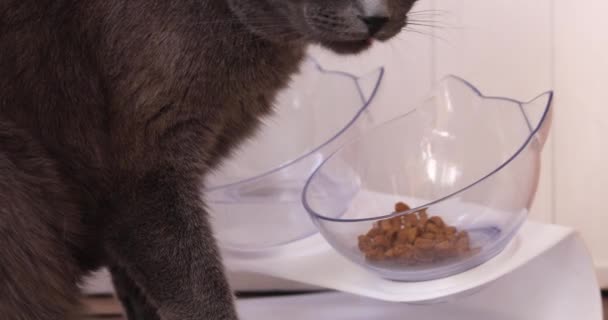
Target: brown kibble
[(380, 241), (445, 245), (440, 237), (462, 244), (402, 236), (422, 221), (420, 229), (401, 207), (462, 234), (386, 225), (391, 235), (414, 239), (365, 243), (424, 256), (450, 230), (428, 235), (431, 228), (450, 236), (396, 221), (424, 217), (463, 238), (412, 234), (445, 249), (424, 243), (375, 255), (403, 250), (411, 219), (437, 221), (374, 232)]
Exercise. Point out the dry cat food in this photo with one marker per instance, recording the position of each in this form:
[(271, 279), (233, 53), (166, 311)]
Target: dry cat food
[(414, 239)]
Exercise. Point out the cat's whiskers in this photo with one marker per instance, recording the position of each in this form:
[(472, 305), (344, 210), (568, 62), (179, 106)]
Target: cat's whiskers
[(425, 25), (429, 12), (430, 34)]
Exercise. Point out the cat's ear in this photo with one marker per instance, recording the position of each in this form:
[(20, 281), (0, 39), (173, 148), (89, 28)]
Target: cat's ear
[(539, 114), (369, 83)]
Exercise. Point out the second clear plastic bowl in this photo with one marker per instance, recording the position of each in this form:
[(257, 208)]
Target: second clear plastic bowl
[(255, 197), (473, 161)]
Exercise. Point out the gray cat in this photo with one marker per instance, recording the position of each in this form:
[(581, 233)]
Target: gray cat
[(111, 113)]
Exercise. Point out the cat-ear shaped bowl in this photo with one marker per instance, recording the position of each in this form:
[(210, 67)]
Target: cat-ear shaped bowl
[(255, 196), (472, 160)]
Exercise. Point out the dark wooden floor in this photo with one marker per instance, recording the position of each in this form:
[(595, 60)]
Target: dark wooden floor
[(106, 308)]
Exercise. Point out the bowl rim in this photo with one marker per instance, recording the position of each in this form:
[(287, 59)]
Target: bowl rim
[(533, 131), (367, 102)]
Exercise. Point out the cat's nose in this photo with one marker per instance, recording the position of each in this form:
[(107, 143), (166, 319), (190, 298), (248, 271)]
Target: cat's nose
[(375, 23)]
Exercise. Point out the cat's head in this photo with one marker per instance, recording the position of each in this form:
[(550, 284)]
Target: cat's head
[(345, 26)]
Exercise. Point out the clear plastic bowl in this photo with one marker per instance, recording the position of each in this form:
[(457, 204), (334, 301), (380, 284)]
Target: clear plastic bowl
[(255, 196), (473, 161)]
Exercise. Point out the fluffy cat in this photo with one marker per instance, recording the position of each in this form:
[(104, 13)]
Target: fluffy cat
[(111, 113)]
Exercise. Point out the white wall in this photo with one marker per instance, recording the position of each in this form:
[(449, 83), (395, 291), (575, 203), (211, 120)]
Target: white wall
[(581, 148)]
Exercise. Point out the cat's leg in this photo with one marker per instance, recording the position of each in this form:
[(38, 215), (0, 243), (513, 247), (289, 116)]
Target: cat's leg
[(38, 275), (133, 301), (161, 235)]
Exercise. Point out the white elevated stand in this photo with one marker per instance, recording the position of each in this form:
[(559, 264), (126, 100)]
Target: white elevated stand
[(546, 273)]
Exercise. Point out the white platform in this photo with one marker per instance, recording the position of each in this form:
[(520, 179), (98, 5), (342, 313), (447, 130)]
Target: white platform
[(546, 273)]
